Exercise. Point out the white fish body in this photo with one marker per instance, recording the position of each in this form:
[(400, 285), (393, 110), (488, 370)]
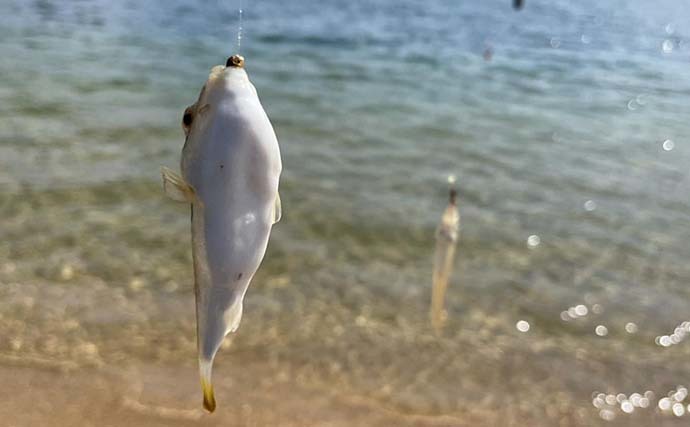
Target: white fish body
[(447, 235), (230, 171)]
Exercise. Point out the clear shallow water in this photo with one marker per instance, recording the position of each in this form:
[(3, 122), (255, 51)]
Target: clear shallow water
[(374, 105)]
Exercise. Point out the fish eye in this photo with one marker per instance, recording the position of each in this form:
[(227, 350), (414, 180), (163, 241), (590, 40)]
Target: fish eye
[(187, 118)]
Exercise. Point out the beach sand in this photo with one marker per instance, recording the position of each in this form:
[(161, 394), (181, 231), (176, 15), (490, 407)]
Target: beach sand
[(151, 395)]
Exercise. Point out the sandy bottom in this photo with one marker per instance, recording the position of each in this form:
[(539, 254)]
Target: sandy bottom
[(168, 396)]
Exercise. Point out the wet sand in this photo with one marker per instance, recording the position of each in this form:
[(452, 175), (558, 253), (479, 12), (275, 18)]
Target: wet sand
[(55, 394), (81, 352)]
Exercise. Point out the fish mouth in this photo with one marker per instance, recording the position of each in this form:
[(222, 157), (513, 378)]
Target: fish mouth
[(227, 79), (233, 62)]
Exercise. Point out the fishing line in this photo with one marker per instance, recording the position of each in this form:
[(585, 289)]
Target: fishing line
[(239, 27)]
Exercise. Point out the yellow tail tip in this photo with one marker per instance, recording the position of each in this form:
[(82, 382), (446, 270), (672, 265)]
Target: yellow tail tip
[(209, 398)]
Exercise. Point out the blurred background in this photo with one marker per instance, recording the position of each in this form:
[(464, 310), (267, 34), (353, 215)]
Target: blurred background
[(566, 124)]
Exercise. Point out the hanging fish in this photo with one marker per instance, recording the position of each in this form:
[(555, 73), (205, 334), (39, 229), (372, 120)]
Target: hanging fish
[(230, 171), (447, 236)]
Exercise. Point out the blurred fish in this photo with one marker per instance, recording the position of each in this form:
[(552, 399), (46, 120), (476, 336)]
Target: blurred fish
[(447, 236), (517, 4), (230, 171)]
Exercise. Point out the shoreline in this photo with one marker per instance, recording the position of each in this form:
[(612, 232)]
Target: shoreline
[(165, 395)]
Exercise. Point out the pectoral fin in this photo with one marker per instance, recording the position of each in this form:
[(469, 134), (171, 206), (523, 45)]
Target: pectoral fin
[(176, 187), (277, 210)]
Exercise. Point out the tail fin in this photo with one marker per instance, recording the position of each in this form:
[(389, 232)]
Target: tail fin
[(205, 367), (210, 338)]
